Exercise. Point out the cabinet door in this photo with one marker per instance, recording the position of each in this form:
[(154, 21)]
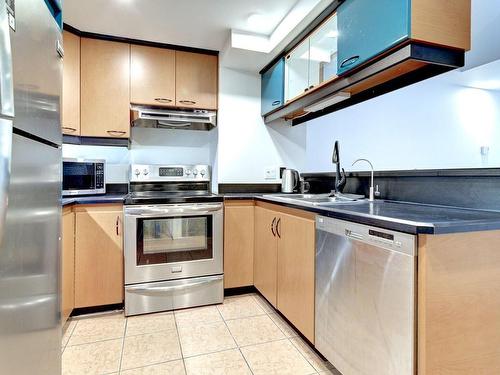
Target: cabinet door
[(297, 71), (70, 116), (323, 53), (68, 264), (98, 256), (368, 28), (105, 89), (152, 76), (238, 244), (196, 80), (265, 253), (273, 87), (296, 254)]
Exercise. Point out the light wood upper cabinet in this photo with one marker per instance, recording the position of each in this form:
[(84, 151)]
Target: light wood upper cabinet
[(98, 255), (152, 76), (238, 244), (266, 253), (196, 80), (70, 116), (105, 88), (68, 264), (296, 265)]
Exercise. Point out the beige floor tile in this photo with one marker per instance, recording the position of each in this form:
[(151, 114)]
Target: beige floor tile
[(67, 331), (254, 330), (169, 368), (229, 362), (266, 306), (204, 339), (332, 371), (284, 326), (151, 323), (106, 327), (95, 358), (311, 356), (240, 307), (197, 315), (277, 357), (149, 349)]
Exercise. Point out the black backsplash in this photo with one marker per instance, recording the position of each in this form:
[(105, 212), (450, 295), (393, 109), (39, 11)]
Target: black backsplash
[(469, 188)]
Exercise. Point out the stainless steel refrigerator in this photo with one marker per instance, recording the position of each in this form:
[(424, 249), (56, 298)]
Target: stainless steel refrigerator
[(30, 186)]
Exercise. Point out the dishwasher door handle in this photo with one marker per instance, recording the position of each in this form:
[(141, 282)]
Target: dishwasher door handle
[(349, 233)]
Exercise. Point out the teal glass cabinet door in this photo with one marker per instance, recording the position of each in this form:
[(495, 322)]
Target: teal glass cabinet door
[(368, 28), (273, 87)]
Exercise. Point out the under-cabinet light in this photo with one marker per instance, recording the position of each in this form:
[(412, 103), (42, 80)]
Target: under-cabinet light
[(330, 100)]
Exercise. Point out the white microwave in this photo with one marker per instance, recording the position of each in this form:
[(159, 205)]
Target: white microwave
[(83, 177)]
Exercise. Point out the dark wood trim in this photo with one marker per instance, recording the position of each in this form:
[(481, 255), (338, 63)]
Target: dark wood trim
[(95, 141), (113, 38), (97, 309), (305, 33)]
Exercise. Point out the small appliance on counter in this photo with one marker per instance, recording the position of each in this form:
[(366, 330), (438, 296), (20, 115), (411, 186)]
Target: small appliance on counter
[(83, 177), (290, 181), (173, 239)]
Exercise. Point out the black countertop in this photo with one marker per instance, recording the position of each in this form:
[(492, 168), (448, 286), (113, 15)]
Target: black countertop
[(404, 217), (399, 216), (94, 199)]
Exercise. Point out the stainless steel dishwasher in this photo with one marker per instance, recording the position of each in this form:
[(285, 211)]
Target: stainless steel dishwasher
[(365, 298)]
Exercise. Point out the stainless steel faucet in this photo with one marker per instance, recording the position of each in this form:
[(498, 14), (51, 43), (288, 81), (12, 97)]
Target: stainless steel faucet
[(372, 190)]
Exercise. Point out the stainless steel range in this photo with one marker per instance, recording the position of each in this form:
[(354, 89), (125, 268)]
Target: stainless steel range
[(173, 239)]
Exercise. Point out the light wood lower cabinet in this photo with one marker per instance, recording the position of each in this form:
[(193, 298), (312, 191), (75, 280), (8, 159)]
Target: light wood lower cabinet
[(265, 253), (98, 255), (238, 244), (284, 263), (296, 265), (68, 264)]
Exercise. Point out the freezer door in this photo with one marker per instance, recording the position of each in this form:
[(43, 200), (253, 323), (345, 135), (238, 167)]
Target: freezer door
[(37, 69), (30, 331), (6, 86)]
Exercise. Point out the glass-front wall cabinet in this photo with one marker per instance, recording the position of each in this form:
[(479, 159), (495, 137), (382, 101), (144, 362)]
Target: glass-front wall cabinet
[(313, 61)]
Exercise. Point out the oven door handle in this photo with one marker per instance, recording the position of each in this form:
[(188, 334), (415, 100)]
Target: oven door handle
[(156, 290), (172, 211)]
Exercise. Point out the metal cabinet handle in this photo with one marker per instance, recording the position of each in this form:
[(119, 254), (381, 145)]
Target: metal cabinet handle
[(67, 128), (278, 228), (349, 61), (117, 225), (116, 132), (272, 227), (188, 102), (163, 100), (276, 102)]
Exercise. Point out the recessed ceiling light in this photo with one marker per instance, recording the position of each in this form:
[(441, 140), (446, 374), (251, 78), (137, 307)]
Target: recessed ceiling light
[(256, 20)]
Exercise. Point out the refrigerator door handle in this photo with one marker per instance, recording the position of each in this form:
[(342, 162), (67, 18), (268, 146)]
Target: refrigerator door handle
[(5, 160), (6, 81)]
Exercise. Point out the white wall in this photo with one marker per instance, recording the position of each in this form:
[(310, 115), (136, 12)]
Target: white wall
[(428, 125), (151, 146), (246, 145)]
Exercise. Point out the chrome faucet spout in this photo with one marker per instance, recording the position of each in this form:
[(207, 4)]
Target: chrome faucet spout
[(372, 191)]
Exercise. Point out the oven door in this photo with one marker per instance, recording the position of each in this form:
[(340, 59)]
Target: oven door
[(168, 242)]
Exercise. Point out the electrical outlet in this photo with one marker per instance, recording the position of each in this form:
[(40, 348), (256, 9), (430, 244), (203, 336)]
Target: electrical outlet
[(271, 173)]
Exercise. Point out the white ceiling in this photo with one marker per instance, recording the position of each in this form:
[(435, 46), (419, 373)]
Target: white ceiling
[(194, 23)]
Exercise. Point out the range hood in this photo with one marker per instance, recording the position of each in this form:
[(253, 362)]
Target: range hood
[(161, 118)]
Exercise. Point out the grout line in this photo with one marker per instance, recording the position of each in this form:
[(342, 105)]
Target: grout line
[(123, 345), (180, 344), (95, 342), (150, 365), (236, 342)]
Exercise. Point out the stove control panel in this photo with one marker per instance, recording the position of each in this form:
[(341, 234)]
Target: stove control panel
[(161, 173)]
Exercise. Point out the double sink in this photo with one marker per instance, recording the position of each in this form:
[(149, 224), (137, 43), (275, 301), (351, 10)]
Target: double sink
[(322, 200)]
